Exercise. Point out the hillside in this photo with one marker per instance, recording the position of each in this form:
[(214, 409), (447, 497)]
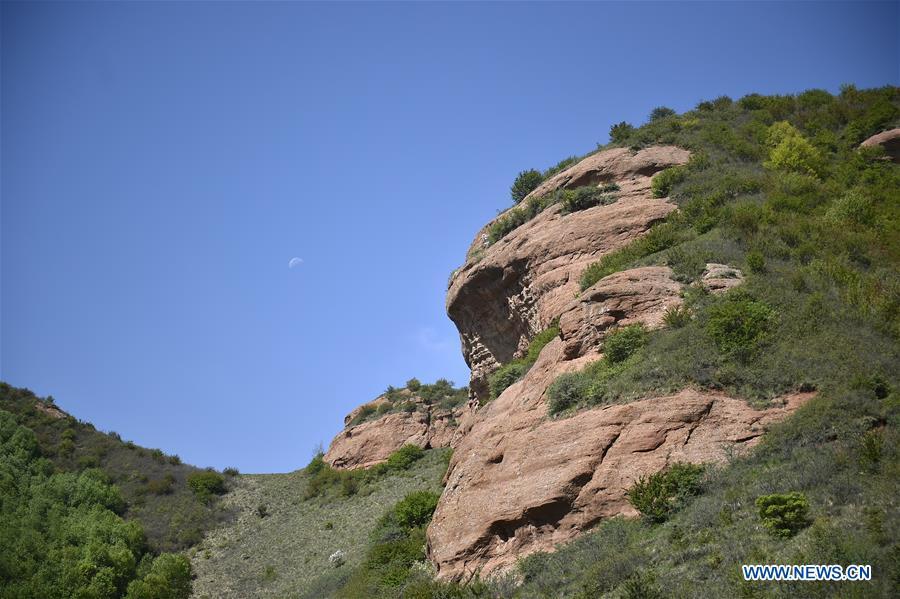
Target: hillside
[(280, 543), (718, 288), (87, 514)]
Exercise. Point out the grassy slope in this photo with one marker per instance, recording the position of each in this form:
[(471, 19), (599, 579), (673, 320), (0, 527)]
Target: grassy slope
[(285, 554), (172, 520)]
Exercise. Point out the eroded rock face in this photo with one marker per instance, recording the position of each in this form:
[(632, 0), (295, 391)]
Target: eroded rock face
[(371, 442), (519, 482), (505, 293), (889, 140), (638, 295)]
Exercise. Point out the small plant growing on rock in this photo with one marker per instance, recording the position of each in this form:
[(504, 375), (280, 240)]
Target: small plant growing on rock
[(657, 496), (783, 514)]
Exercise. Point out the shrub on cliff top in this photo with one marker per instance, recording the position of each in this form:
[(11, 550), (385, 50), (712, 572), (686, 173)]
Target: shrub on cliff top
[(525, 183)]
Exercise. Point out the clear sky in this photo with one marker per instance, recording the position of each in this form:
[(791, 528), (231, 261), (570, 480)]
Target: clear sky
[(163, 162)]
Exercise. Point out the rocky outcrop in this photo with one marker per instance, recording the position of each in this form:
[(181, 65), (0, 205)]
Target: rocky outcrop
[(370, 442), (507, 292), (520, 482), (719, 278), (889, 140), (523, 482), (638, 295)]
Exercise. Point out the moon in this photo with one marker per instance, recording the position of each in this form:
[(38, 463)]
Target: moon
[(295, 262)]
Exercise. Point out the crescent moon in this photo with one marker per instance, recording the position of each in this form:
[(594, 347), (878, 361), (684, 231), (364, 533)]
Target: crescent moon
[(294, 262)]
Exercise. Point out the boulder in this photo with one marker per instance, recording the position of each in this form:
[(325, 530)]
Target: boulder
[(889, 140)]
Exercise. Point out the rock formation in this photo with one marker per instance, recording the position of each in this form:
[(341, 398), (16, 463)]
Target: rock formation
[(367, 443), (889, 140), (507, 292), (520, 481)]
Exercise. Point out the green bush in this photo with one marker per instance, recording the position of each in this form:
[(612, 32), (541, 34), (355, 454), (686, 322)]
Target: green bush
[(756, 262), (413, 384), (620, 132), (505, 376), (657, 496), (791, 152), (525, 183), (661, 112), (205, 484), (622, 343), (663, 181), (560, 166), (738, 323), (657, 239), (166, 577), (784, 515), (567, 391), (677, 316), (582, 198), (509, 373), (416, 509), (404, 457)]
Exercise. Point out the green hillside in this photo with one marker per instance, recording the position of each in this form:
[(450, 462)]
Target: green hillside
[(281, 540)]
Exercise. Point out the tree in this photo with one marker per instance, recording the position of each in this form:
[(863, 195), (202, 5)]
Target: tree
[(525, 183)]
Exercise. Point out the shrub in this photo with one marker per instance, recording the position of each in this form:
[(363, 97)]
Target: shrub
[(560, 166), (416, 509), (230, 471), (161, 486), (662, 182), (413, 384), (657, 496), (582, 198), (505, 376), (677, 316), (166, 577), (791, 152), (737, 323), (620, 132), (206, 484), (622, 343), (661, 112), (525, 183), (756, 262), (659, 238), (567, 391), (852, 208), (404, 457), (509, 373), (515, 218), (783, 515)]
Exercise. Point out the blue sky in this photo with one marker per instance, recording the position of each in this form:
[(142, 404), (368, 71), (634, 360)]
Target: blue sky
[(163, 162)]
